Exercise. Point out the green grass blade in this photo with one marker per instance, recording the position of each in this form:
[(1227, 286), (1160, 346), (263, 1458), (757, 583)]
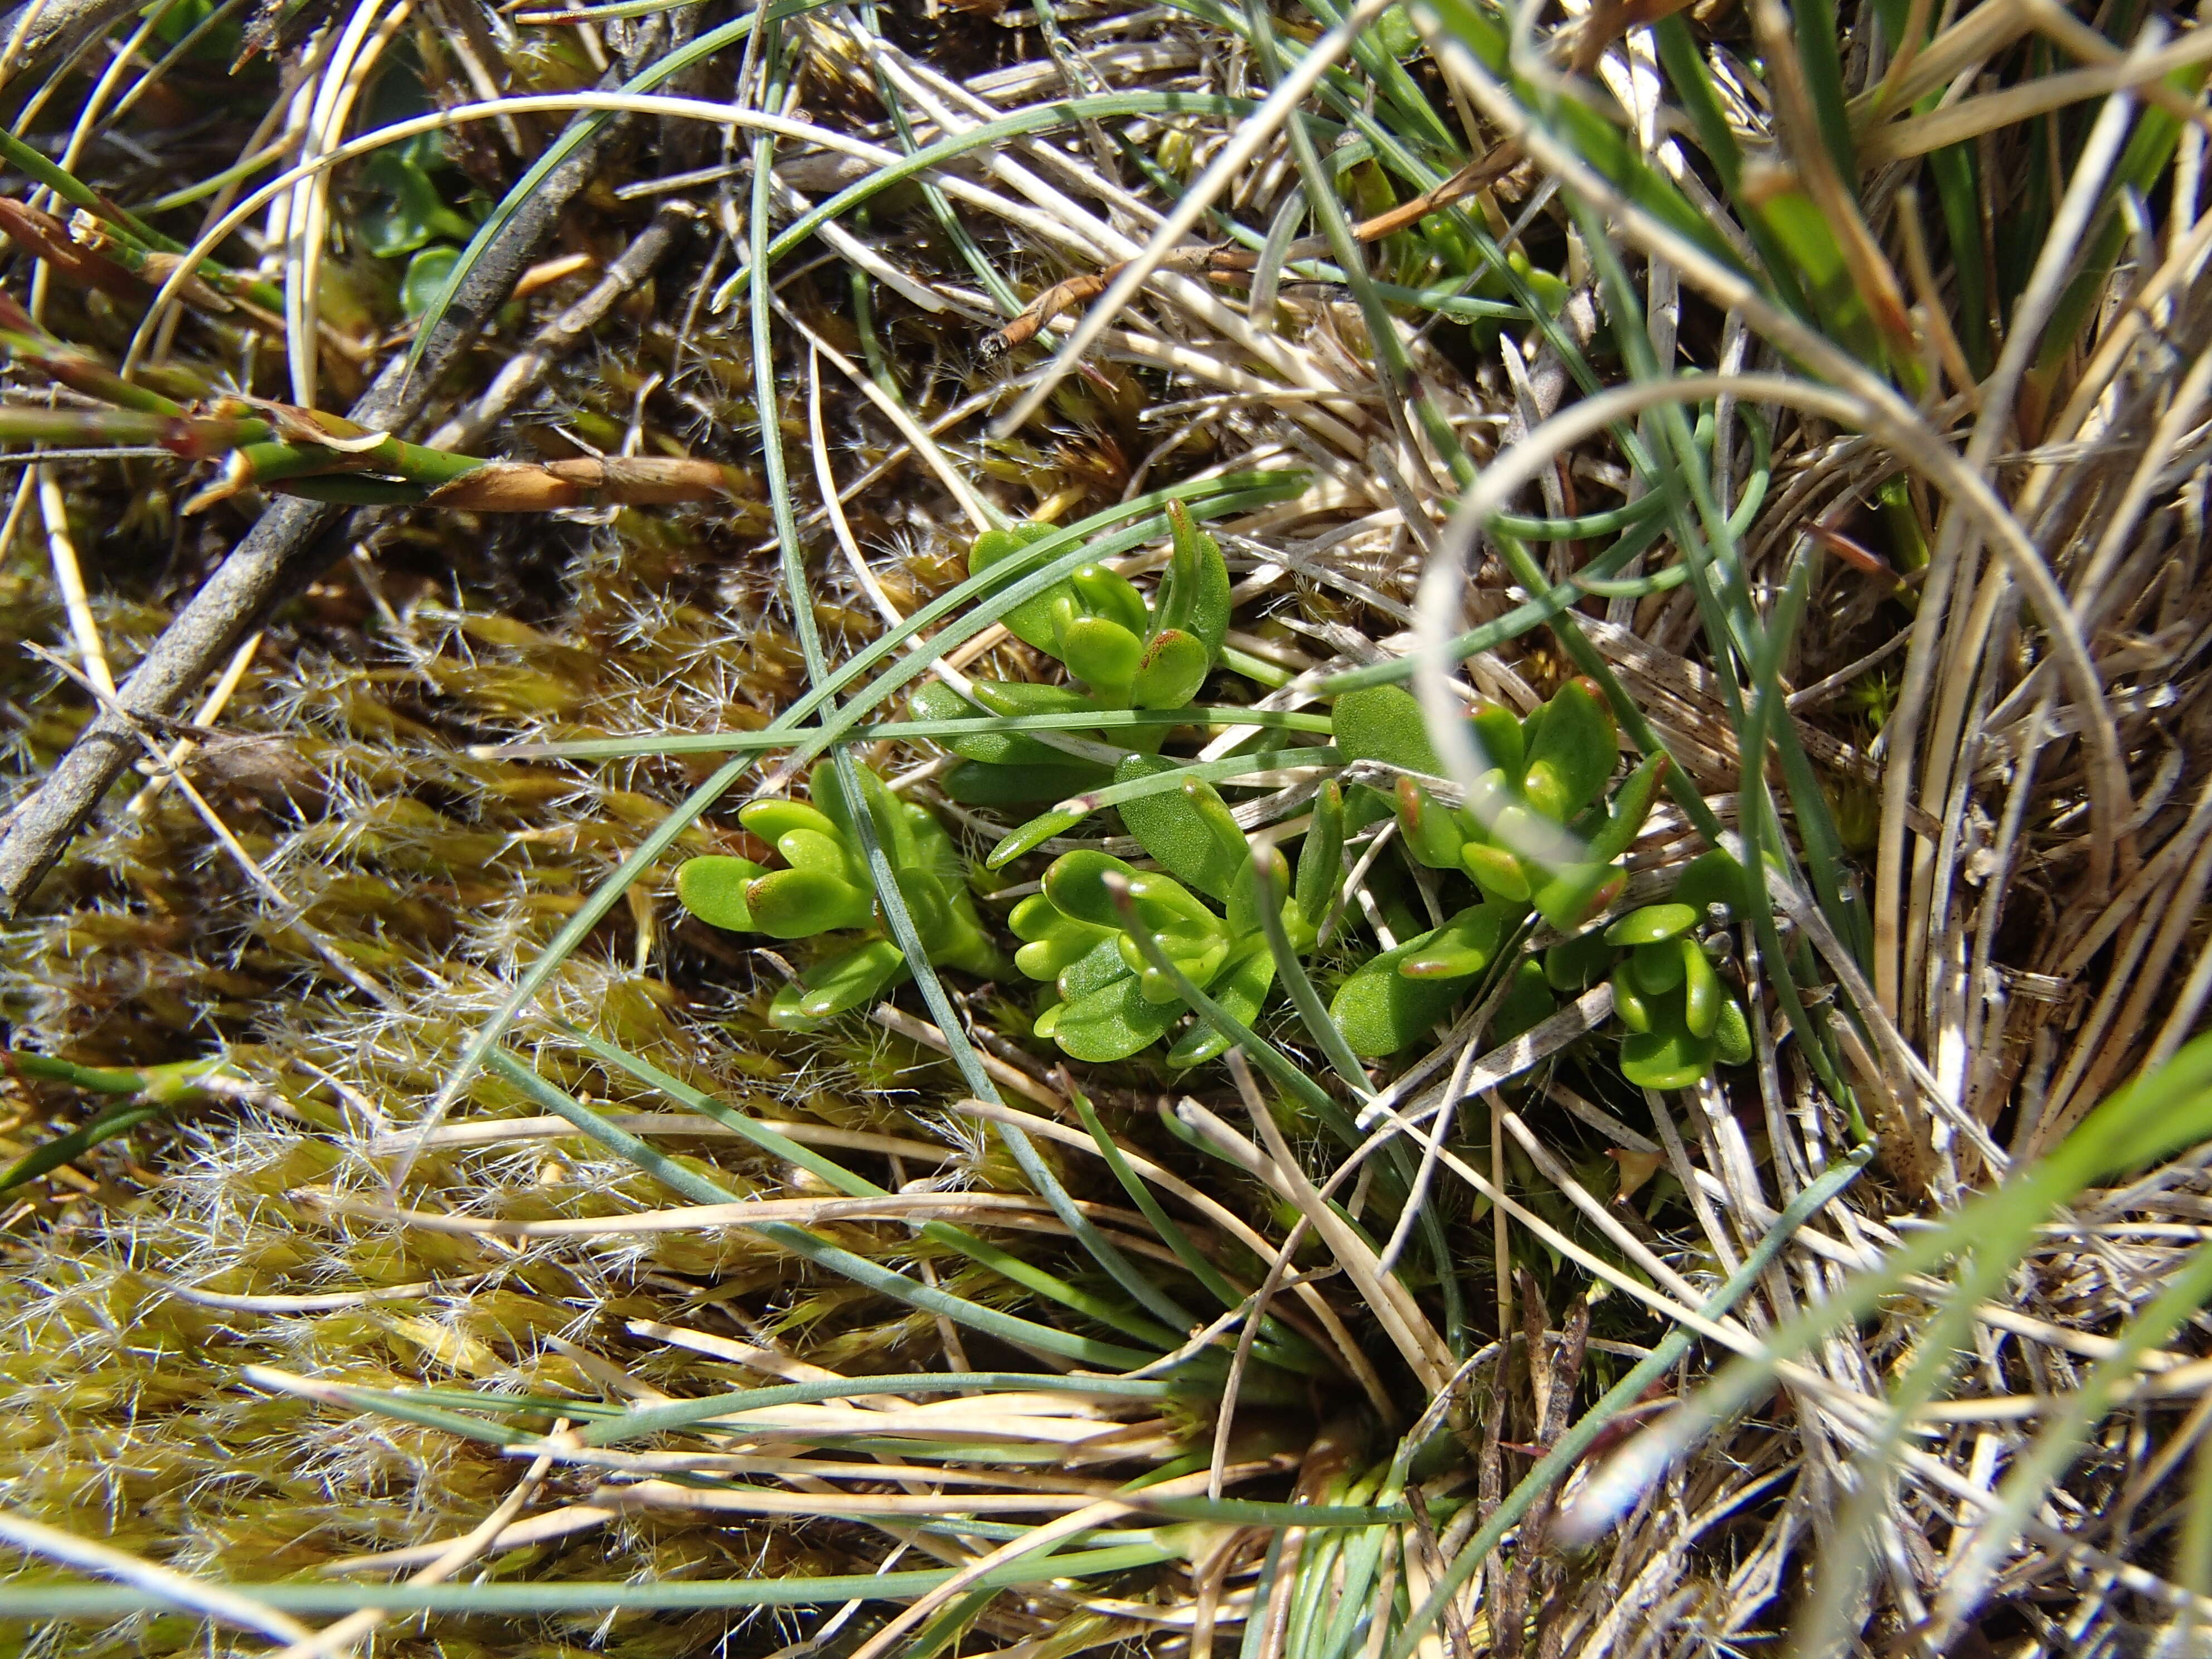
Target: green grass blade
[(724, 743), (800, 1242), (21, 1599)]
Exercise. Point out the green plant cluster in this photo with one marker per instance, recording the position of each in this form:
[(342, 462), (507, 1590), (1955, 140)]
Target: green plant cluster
[(1131, 653), (1539, 835), (1122, 949), (823, 887), (1106, 934)]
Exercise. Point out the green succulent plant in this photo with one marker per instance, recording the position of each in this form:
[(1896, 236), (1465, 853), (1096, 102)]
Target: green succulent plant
[(1129, 652), (1678, 1017), (1108, 1000), (823, 887), (1545, 774)]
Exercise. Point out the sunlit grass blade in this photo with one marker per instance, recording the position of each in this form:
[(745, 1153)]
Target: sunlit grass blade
[(61, 1600), (800, 1242)]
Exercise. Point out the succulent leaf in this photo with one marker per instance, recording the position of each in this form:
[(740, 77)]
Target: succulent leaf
[(1667, 1058), (1578, 963), (1657, 967), (1112, 1023), (713, 889), (1528, 1004), (1109, 594), (1174, 665), (1649, 924), (772, 820), (1321, 858), (1031, 620), (837, 985), (1240, 991), (1076, 884), (1195, 591), (1384, 723), (1629, 1005), (1710, 878), (1499, 739), (1632, 806), (811, 849), (1188, 831), (1732, 1034), (1097, 967), (1571, 753), (1463, 946), (1496, 870), (1433, 835), (1577, 893), (1702, 992), (1103, 654), (1379, 1011), (800, 903), (977, 783)]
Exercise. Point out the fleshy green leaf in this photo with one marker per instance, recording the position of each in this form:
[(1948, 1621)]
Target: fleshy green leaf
[(1712, 878), (1575, 964), (1028, 837), (939, 701), (772, 820), (1496, 870), (1657, 967), (1702, 994), (1667, 1058), (1732, 1034), (1648, 924), (1112, 1023), (1571, 753), (1528, 1003), (1631, 805), (1182, 829), (1498, 735), (1108, 593), (1462, 947), (427, 273), (1578, 893), (840, 983), (809, 849), (1097, 968), (1174, 665), (1103, 654), (1629, 1004), (1379, 1011), (1243, 912), (1031, 620), (973, 783), (1433, 833), (1320, 859), (1194, 592), (800, 903), (713, 889), (1076, 885), (1197, 958), (1240, 990), (1384, 723)]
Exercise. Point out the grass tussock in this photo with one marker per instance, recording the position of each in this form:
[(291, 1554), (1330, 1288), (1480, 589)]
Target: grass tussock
[(429, 1236)]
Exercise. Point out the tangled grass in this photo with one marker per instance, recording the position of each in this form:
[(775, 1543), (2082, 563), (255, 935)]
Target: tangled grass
[(420, 1236)]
